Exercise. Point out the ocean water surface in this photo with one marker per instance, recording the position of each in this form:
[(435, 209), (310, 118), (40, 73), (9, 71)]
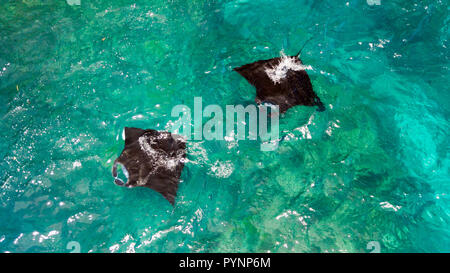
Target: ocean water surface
[(374, 166)]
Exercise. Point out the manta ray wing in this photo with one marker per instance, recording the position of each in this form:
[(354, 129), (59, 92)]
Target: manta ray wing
[(281, 81), (152, 159)]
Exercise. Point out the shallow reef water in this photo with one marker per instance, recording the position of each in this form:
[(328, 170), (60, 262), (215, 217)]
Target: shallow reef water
[(374, 166)]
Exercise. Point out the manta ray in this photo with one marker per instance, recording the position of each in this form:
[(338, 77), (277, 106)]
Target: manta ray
[(152, 159), (281, 81)]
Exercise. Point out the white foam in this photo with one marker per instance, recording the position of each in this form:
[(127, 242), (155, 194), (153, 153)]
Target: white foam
[(222, 169), (146, 147), (159, 157), (278, 73), (388, 205)]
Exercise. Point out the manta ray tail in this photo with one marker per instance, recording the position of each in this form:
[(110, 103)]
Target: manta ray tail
[(321, 106), (298, 54)]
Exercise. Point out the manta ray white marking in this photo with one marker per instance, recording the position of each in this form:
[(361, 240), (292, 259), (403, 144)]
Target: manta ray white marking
[(278, 73)]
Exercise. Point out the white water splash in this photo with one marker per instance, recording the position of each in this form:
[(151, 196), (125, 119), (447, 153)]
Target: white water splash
[(388, 205), (146, 147), (160, 158), (222, 169), (278, 73)]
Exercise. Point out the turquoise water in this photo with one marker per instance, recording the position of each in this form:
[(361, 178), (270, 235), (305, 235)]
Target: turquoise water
[(373, 167)]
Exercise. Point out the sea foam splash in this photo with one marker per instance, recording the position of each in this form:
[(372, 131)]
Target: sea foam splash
[(278, 73), (160, 157)]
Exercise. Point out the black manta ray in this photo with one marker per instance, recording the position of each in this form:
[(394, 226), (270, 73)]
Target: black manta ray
[(281, 81), (152, 159)]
